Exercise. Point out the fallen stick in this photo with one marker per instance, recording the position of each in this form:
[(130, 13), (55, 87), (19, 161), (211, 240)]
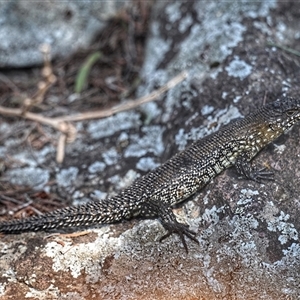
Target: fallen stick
[(69, 131)]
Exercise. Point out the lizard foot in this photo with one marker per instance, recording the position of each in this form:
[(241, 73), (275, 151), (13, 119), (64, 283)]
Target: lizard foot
[(261, 175), (180, 229), (245, 169)]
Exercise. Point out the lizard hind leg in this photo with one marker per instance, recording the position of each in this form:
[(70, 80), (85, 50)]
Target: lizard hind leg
[(169, 222)]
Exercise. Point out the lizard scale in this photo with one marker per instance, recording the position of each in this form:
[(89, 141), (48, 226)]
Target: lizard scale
[(153, 195)]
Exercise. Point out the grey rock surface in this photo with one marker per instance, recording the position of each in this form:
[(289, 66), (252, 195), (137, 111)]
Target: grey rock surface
[(65, 25), (248, 232)]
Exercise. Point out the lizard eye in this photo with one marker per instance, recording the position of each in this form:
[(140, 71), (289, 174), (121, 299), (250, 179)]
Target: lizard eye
[(291, 112)]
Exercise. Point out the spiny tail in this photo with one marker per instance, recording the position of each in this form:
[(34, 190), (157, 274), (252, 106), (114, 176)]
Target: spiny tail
[(102, 212)]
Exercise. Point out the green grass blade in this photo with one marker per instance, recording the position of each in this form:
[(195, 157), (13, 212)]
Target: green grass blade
[(82, 75)]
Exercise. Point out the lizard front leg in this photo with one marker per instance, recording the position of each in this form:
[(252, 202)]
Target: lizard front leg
[(244, 168)]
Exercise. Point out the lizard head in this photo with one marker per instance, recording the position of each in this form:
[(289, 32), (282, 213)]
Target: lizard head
[(284, 113)]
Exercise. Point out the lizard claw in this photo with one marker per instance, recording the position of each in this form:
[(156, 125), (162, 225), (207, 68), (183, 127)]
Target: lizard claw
[(244, 168), (180, 229), (261, 175)]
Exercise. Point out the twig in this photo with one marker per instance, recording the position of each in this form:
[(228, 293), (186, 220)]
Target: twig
[(17, 112), (10, 84), (68, 131), (44, 85), (287, 49), (126, 106), (13, 200), (60, 153), (57, 123), (20, 204)]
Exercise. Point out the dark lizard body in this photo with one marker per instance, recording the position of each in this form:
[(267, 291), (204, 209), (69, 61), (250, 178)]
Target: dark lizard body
[(153, 195)]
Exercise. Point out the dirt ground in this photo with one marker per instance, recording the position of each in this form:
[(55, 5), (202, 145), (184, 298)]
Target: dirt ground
[(114, 76)]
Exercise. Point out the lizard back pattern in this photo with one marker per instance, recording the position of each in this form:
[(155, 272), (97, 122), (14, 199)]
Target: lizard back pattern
[(153, 195)]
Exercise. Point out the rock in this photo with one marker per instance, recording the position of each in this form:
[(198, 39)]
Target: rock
[(248, 232), (65, 25)]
